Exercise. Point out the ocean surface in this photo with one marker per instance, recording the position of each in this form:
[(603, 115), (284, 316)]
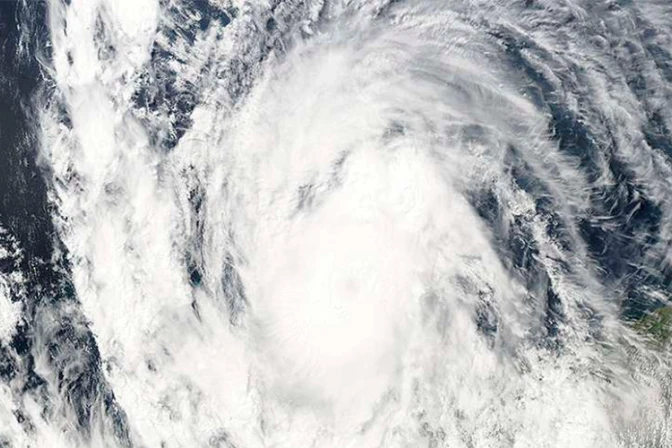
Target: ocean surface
[(335, 223)]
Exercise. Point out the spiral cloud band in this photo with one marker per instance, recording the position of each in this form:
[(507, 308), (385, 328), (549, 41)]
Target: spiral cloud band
[(347, 223)]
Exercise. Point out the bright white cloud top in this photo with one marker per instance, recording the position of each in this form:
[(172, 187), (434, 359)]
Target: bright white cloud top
[(346, 224)]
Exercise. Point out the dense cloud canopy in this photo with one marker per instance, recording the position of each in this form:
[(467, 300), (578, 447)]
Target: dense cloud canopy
[(348, 223)]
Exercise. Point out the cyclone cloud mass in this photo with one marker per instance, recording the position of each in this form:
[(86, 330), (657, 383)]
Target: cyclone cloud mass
[(335, 223)]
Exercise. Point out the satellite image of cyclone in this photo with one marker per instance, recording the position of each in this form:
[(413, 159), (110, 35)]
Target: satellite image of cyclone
[(335, 224)]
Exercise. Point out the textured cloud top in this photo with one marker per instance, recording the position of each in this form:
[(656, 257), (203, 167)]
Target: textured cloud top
[(232, 223)]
